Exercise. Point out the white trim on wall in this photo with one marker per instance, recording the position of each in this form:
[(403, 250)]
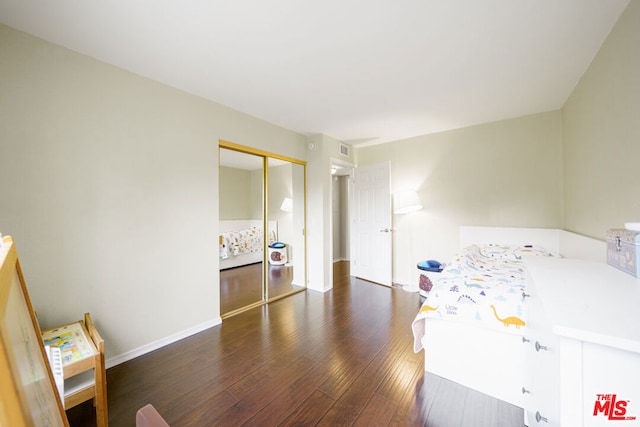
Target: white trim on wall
[(155, 345)]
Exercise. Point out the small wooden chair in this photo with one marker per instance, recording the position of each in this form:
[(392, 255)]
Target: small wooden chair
[(83, 349)]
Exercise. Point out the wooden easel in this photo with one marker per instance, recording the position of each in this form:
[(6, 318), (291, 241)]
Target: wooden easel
[(28, 394)]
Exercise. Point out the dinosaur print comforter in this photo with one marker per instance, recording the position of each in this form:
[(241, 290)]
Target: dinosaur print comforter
[(234, 243), (484, 285)]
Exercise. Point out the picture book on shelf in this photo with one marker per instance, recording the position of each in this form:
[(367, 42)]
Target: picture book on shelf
[(71, 340)]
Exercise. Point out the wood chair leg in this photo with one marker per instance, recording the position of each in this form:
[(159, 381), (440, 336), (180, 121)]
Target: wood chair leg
[(101, 394)]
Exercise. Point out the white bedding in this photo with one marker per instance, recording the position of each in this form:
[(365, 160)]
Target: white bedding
[(241, 242), (481, 358), (246, 241), (483, 285)]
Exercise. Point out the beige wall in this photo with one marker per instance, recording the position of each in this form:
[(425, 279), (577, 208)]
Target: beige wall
[(340, 218), (323, 151), (281, 186), (234, 181), (109, 185), (602, 135), (575, 168), (507, 173)]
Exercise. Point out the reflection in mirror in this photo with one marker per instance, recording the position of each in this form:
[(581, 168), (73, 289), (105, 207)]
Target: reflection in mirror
[(286, 251), (241, 230)]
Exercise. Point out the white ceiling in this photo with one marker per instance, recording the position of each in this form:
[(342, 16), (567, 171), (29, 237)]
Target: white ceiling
[(360, 71)]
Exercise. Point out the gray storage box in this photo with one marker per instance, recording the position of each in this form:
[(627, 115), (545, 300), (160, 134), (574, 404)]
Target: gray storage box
[(622, 250)]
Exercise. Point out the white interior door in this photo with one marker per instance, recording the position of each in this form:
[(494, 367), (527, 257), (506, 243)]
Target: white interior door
[(372, 223)]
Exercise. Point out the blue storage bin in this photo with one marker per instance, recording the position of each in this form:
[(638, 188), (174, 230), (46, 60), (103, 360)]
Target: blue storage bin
[(428, 274)]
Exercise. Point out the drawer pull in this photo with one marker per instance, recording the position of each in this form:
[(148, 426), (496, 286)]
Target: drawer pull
[(525, 295), (541, 347), (540, 417), (525, 391), (525, 340)]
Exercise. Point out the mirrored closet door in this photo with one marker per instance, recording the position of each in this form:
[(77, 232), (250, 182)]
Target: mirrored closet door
[(262, 227), (286, 249), (241, 223)]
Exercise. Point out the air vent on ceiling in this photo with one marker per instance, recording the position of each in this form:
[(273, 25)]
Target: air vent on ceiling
[(344, 150)]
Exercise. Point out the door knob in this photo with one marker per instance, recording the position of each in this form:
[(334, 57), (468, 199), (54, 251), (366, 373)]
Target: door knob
[(541, 347), (539, 417)]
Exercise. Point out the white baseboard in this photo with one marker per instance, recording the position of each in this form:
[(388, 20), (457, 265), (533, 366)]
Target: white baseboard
[(113, 361), (399, 284)]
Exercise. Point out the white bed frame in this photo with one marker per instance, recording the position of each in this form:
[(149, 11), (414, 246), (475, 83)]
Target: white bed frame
[(485, 360), (243, 224)]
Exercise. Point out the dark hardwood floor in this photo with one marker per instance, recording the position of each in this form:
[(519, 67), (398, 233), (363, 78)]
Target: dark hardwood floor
[(242, 286), (335, 359)]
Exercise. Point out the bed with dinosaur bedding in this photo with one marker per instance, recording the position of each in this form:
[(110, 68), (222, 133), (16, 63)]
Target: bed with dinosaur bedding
[(241, 242), (483, 285), (472, 323)]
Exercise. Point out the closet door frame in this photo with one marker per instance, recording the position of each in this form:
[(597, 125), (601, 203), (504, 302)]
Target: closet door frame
[(265, 218)]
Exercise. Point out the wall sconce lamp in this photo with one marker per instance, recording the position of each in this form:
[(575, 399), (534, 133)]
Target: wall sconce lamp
[(406, 201), (287, 205)]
